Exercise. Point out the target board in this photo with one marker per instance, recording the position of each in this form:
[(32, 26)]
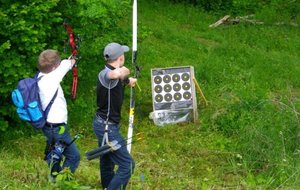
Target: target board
[(173, 88)]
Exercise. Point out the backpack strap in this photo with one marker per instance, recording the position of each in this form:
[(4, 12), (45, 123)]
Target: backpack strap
[(52, 100), (36, 76), (49, 105)]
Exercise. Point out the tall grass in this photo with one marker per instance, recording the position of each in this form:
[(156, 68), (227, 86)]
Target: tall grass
[(248, 136)]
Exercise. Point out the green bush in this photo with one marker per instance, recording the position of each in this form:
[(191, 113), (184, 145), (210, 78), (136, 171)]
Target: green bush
[(27, 28)]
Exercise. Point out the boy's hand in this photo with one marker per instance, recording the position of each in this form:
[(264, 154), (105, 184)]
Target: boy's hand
[(73, 61), (132, 81)]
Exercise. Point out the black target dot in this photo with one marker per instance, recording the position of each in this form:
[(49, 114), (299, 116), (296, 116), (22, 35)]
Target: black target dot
[(176, 77), (176, 87), (185, 76), (168, 97), (167, 88), (177, 96), (158, 88), (167, 78), (158, 98), (186, 86), (187, 95), (157, 80)]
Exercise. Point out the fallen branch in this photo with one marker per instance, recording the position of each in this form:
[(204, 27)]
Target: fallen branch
[(226, 20), (246, 19), (284, 23), (219, 22)]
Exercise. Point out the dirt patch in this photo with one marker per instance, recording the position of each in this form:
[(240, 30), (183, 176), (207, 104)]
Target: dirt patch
[(207, 42)]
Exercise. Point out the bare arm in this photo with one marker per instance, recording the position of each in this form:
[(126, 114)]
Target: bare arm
[(119, 73)]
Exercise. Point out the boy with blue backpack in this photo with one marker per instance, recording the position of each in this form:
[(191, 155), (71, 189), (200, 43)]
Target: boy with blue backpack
[(52, 70), (47, 110)]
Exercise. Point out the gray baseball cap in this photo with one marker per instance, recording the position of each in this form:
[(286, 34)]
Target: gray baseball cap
[(113, 50)]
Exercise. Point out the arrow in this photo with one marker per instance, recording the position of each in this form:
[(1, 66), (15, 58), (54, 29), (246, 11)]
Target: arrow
[(107, 148)]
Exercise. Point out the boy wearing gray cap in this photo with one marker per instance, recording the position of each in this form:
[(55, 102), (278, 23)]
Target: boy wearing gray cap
[(110, 93)]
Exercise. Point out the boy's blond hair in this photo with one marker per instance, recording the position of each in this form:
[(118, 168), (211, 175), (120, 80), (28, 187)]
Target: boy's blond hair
[(48, 59)]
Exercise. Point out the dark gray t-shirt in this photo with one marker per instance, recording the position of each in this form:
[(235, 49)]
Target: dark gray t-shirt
[(116, 90)]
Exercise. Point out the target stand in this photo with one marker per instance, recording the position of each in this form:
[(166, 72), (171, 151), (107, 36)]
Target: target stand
[(173, 93)]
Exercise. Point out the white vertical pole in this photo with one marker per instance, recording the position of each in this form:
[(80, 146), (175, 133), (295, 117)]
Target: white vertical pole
[(134, 54), (134, 26)]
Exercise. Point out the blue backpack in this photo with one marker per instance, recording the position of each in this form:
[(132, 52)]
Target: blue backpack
[(27, 101)]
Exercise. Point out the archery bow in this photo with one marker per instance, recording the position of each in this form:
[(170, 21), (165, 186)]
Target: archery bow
[(75, 46), (136, 73)]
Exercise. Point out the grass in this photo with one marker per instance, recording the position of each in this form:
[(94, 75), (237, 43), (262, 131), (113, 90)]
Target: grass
[(248, 136)]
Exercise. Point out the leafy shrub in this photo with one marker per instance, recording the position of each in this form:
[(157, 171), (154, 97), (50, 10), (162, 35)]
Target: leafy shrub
[(25, 31), (27, 28)]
